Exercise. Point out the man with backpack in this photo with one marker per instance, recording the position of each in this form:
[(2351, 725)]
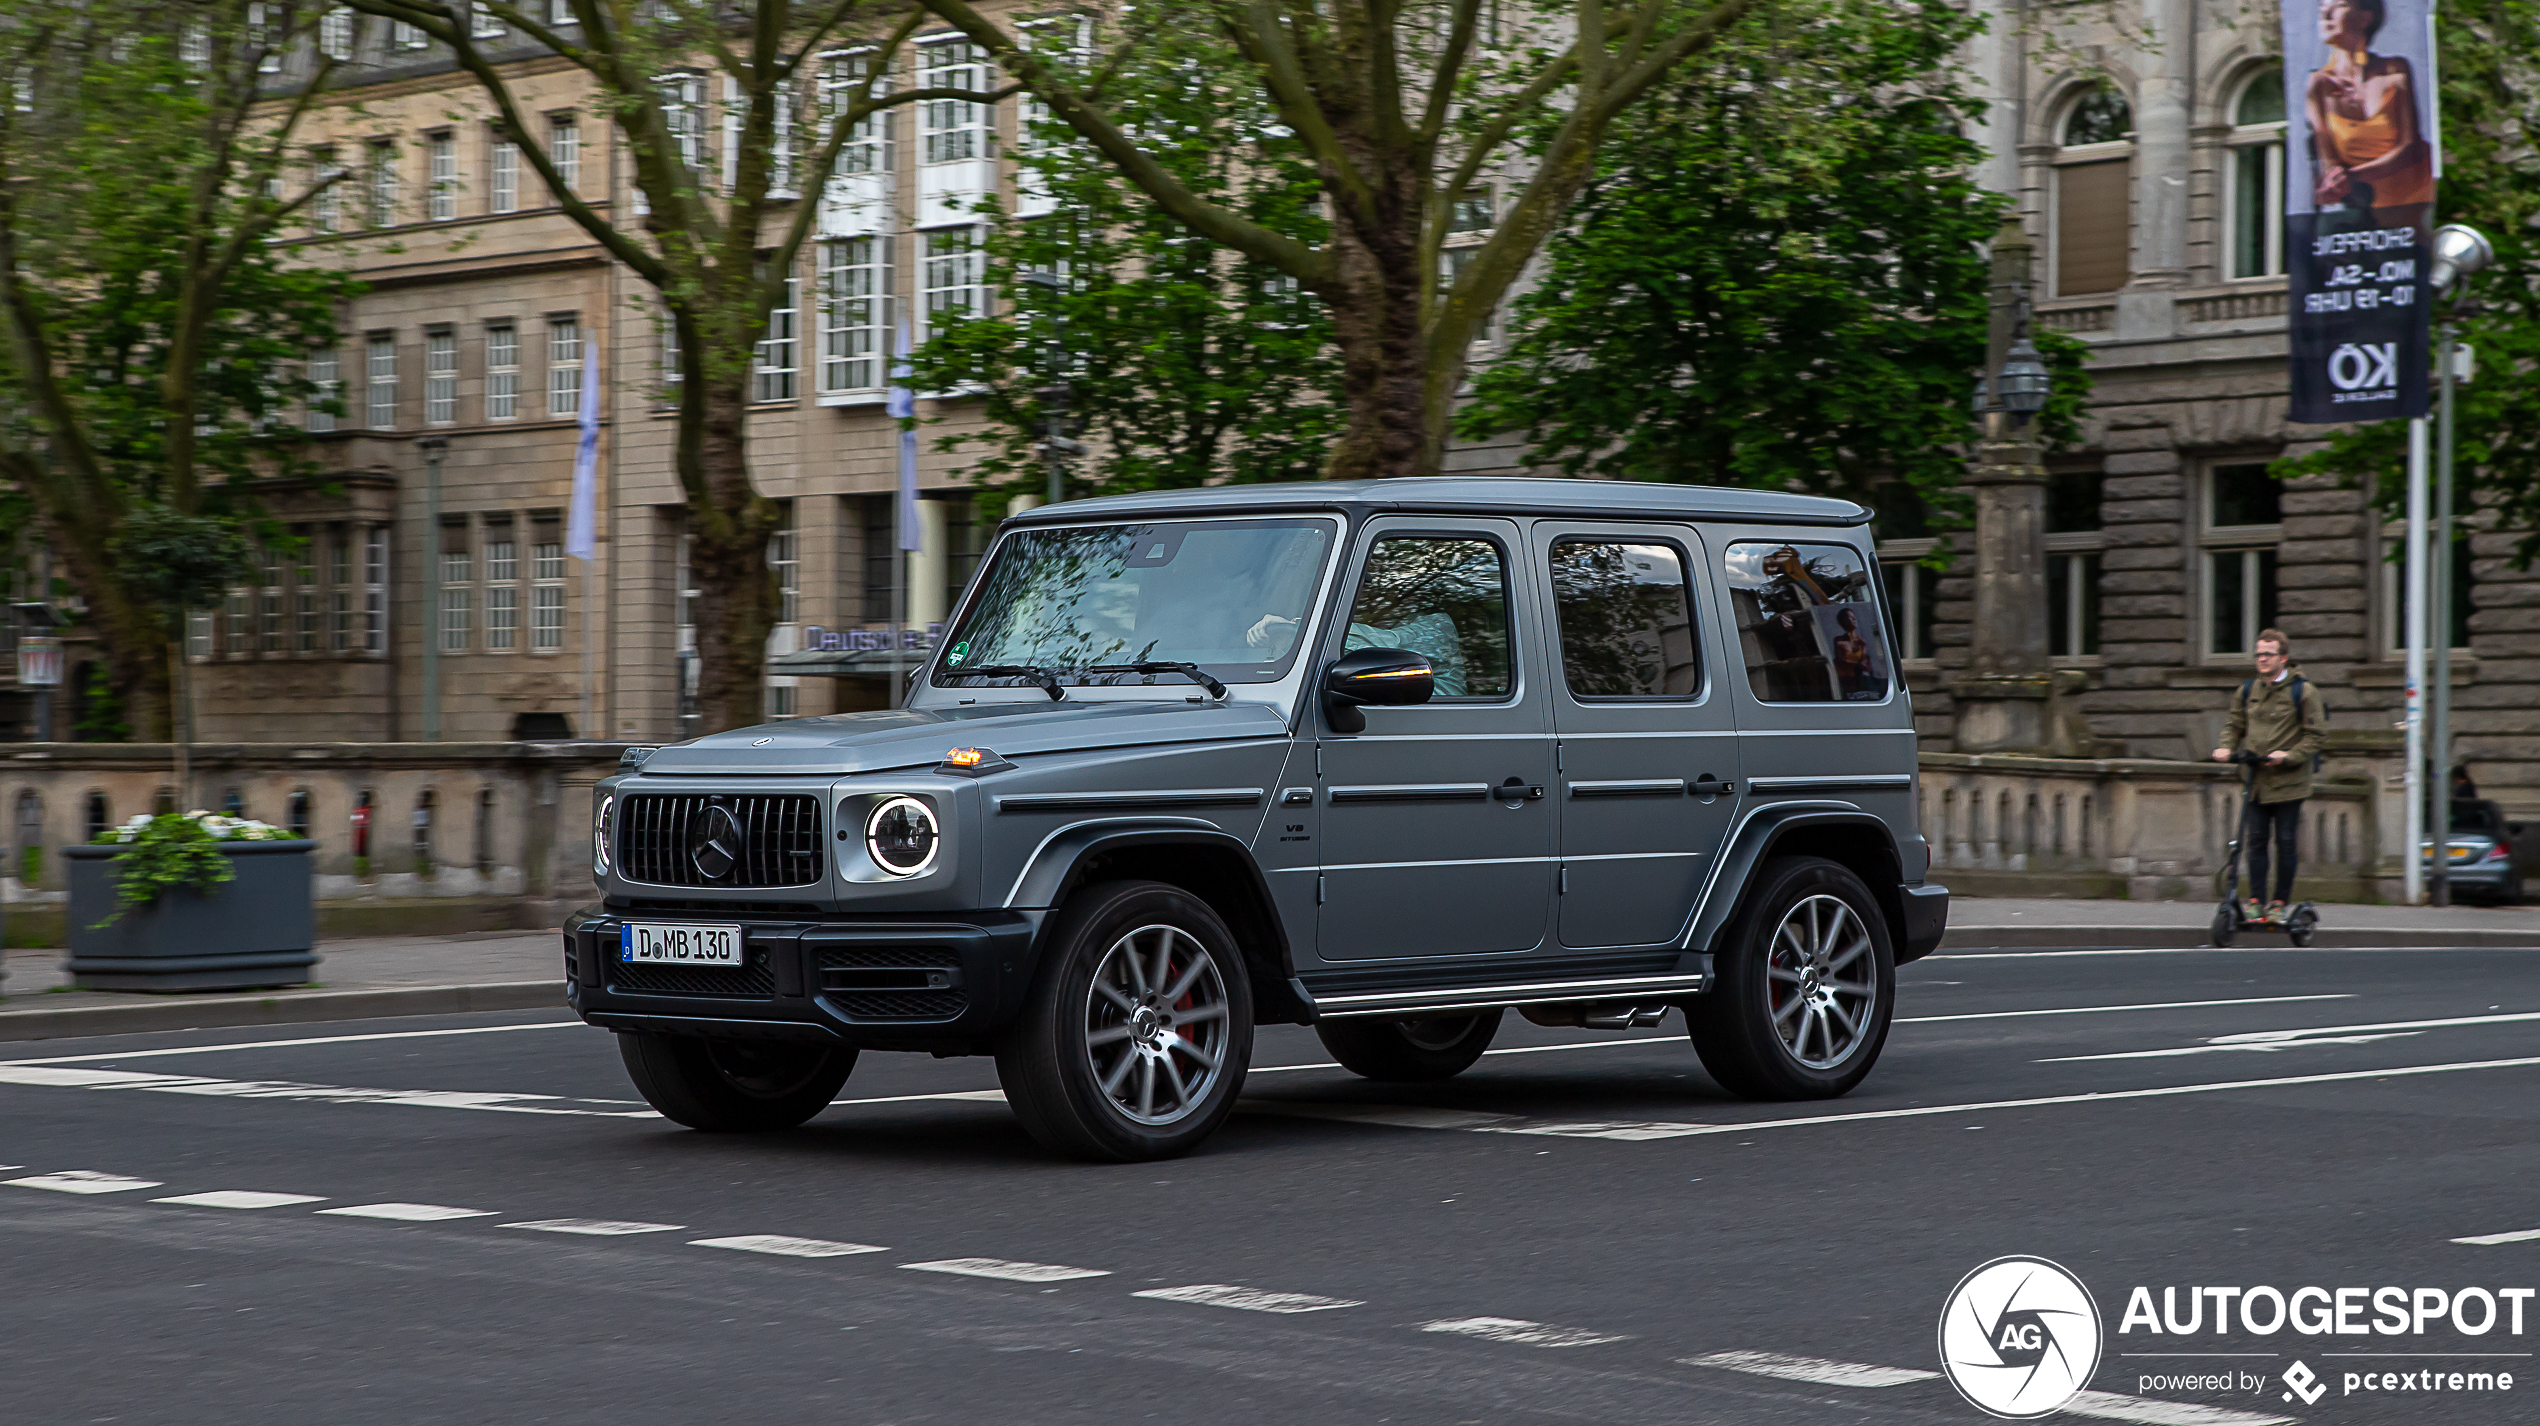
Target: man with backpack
[(2279, 716)]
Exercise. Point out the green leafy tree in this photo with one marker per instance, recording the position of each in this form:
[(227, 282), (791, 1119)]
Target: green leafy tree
[(2488, 57), (152, 329), (1403, 107), (1778, 278), (1184, 360)]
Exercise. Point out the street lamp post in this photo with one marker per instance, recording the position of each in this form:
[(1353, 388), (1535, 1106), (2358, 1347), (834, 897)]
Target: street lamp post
[(433, 447), (2458, 251)]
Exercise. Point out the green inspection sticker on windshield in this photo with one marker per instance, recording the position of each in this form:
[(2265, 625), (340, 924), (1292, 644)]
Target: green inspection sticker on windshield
[(959, 652)]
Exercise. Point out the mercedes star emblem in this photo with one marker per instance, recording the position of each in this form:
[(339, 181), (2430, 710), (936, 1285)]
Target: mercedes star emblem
[(714, 844)]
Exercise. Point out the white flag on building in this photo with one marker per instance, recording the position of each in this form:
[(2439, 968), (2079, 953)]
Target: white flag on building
[(579, 539)]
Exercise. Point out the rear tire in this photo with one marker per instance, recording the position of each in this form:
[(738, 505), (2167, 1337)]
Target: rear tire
[(1410, 1051), (1806, 986), (2226, 923), (1139, 1028), (734, 1086)]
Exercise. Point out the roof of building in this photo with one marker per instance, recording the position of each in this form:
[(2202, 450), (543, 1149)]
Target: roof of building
[(1469, 494)]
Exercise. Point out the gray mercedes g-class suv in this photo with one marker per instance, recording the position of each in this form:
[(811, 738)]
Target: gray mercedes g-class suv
[(1385, 758)]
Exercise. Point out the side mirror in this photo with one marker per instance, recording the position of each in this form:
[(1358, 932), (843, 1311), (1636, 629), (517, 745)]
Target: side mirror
[(1387, 678)]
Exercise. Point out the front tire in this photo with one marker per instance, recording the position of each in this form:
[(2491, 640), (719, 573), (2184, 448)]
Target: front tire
[(1139, 1028), (1806, 986), (733, 1086), (1410, 1051)]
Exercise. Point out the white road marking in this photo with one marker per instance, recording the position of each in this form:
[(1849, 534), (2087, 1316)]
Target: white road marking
[(2207, 951), (2269, 1041), (311, 1040), (2108, 1406), (595, 1227), (1519, 1332), (84, 1181), (65, 1078), (1512, 1125), (408, 1212), (1248, 1299), (2489, 1240), (239, 1198), (784, 1247), (1000, 1268), (2105, 1009), (984, 1096), (1808, 1369), (1398, 1116)]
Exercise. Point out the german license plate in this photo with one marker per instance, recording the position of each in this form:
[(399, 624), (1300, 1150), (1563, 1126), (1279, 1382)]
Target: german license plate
[(680, 945)]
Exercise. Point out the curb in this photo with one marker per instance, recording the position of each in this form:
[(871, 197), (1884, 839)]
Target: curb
[(286, 1008), (2171, 938)]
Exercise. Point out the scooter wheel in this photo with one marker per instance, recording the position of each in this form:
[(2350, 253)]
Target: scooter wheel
[(2226, 924), (2301, 923)]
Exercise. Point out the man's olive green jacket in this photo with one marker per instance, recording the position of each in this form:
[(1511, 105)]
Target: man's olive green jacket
[(2264, 721)]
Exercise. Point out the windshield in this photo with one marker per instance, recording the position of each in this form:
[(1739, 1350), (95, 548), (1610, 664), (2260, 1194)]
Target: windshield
[(1231, 596)]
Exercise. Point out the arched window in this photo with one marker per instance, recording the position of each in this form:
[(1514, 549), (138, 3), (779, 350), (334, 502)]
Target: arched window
[(100, 817), (2094, 194), (30, 838), (298, 813), (2253, 234)]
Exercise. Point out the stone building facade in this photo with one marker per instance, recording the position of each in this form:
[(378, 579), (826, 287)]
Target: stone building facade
[(2150, 177)]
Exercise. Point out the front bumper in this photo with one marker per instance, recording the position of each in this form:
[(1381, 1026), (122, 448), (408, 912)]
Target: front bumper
[(1926, 920), (948, 983)]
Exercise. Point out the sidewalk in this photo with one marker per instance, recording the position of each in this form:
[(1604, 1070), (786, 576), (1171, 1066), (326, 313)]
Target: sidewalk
[(2005, 921), (370, 976)]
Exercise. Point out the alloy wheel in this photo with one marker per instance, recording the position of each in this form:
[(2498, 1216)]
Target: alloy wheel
[(1821, 981), (1156, 1024)]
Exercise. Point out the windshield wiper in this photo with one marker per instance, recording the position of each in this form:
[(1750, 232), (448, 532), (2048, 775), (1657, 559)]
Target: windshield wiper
[(1196, 674), (1041, 677)]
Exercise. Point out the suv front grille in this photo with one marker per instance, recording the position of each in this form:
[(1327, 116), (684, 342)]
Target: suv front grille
[(677, 840), (754, 981), (894, 982)]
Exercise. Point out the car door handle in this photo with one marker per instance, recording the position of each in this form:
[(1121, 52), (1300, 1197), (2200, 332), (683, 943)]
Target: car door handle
[(1517, 789), (1709, 786)]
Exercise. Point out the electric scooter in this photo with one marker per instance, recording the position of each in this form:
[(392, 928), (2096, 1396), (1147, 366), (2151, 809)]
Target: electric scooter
[(2229, 918)]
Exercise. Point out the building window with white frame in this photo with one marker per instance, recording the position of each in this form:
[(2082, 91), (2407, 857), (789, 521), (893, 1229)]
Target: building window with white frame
[(2075, 536), (506, 166), (483, 23), (564, 366), (440, 376), (546, 594), (667, 327), (683, 108), (502, 588), (339, 591), (406, 37), (560, 12), (1913, 596), (855, 290), (441, 150), (502, 372), (2391, 595), (335, 34), (304, 594), (780, 352), (866, 146), (383, 183), (326, 390), (326, 210), (564, 150), (955, 129), (1451, 265), (269, 601), (2239, 527), (458, 587), (379, 406), (955, 274), (2255, 238), (783, 556), (375, 590), (2093, 194)]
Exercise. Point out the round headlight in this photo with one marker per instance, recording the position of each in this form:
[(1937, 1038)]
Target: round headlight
[(901, 835), (605, 814)]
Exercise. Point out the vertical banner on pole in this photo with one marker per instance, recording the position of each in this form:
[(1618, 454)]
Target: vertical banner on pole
[(2361, 157)]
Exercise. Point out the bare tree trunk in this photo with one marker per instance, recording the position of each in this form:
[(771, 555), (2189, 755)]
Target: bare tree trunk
[(1374, 300), (727, 557)]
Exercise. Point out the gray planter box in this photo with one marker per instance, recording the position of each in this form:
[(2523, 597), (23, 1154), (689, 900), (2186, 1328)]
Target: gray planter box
[(256, 929)]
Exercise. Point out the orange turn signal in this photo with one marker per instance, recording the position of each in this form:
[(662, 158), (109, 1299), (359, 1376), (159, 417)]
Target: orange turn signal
[(966, 757)]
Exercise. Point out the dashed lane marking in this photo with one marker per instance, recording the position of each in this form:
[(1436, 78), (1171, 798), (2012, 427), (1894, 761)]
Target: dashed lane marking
[(64, 1078), (408, 1212), (1010, 1272), (239, 1198), (2269, 1041), (1809, 1369), (84, 1181), (595, 1227), (1519, 1332), (2489, 1240), (785, 1247), (2109, 1406), (2106, 1009), (305, 1040), (1248, 1299)]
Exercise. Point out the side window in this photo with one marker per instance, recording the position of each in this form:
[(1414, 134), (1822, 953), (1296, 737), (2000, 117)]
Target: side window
[(1626, 620), (1807, 625), (1443, 598)]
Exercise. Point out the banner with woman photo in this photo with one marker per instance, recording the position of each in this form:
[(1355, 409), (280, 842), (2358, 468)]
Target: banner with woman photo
[(2362, 154)]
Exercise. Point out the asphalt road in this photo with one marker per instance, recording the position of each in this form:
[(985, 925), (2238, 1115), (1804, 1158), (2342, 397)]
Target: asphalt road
[(1582, 1228)]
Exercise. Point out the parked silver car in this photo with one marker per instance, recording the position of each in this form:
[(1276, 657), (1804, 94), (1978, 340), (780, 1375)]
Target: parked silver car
[(2482, 852), (1388, 759)]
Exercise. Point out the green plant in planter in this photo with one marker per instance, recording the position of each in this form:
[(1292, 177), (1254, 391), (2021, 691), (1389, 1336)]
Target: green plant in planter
[(174, 850)]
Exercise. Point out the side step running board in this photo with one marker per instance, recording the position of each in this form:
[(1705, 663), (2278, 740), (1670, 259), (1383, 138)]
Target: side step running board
[(1485, 997)]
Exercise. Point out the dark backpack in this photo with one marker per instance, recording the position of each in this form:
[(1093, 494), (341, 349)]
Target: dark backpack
[(2296, 690)]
